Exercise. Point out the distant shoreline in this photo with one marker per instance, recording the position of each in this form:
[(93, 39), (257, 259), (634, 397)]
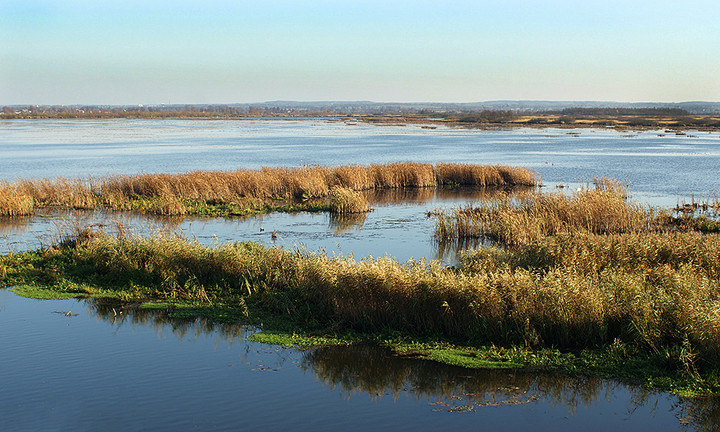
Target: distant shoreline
[(474, 120)]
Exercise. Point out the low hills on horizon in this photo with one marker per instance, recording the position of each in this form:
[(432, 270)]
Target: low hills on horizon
[(370, 107)]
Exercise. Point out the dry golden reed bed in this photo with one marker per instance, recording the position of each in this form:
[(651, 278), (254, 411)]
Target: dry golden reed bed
[(605, 209), (14, 202), (169, 193)]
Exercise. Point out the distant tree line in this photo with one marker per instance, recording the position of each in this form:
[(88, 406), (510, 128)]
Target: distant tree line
[(202, 111), (484, 116), (645, 112), (611, 117)]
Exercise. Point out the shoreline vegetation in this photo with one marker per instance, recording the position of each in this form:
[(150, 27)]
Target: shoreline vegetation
[(588, 284), (243, 192), (669, 120)]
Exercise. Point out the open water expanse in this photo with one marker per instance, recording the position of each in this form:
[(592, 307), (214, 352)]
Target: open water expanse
[(101, 369)]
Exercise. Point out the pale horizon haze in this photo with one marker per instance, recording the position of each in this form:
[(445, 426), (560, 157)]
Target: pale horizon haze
[(177, 52)]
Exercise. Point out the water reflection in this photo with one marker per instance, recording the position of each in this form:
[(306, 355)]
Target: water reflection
[(120, 313), (450, 250), (374, 371), (14, 224), (342, 223)]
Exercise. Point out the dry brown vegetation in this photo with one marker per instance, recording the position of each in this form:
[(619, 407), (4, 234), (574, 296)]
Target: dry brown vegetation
[(585, 271), (344, 201), (484, 176), (602, 210), (170, 193), (13, 202)]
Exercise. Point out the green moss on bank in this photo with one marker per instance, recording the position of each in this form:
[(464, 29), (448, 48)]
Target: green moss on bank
[(292, 339)]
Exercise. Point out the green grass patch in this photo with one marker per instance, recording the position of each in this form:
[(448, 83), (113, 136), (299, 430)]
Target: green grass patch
[(291, 339), (43, 293), (468, 359)]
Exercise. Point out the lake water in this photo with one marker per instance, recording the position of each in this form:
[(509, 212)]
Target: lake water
[(661, 170), (107, 368), (139, 371)]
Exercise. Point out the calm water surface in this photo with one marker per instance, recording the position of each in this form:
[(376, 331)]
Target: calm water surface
[(137, 371), (108, 368)]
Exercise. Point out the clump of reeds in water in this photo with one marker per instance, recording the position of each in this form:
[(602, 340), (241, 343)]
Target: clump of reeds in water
[(13, 202), (484, 175), (602, 210), (347, 201), (252, 189), (72, 193)]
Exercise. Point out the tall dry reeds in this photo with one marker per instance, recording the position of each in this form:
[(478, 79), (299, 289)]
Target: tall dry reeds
[(602, 210), (484, 175), (14, 202), (346, 201), (72, 193), (243, 186), (655, 289)]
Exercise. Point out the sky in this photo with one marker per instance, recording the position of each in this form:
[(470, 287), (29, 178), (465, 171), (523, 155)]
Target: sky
[(182, 51)]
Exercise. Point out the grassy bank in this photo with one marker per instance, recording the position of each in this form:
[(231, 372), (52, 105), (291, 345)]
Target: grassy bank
[(230, 193), (646, 304)]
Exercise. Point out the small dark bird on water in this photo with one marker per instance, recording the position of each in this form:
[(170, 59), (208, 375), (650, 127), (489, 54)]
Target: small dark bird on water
[(274, 235), (262, 229)]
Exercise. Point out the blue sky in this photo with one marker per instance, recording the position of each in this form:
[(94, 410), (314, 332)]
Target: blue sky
[(132, 52)]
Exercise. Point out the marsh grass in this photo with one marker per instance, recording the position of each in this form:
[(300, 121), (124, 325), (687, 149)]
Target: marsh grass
[(605, 209), (14, 202), (347, 201), (484, 175), (245, 190)]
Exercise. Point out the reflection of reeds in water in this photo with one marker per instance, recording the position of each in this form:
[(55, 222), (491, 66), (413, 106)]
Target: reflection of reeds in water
[(702, 414), (375, 371), (452, 250), (13, 225), (709, 208), (168, 194), (342, 223), (118, 312)]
